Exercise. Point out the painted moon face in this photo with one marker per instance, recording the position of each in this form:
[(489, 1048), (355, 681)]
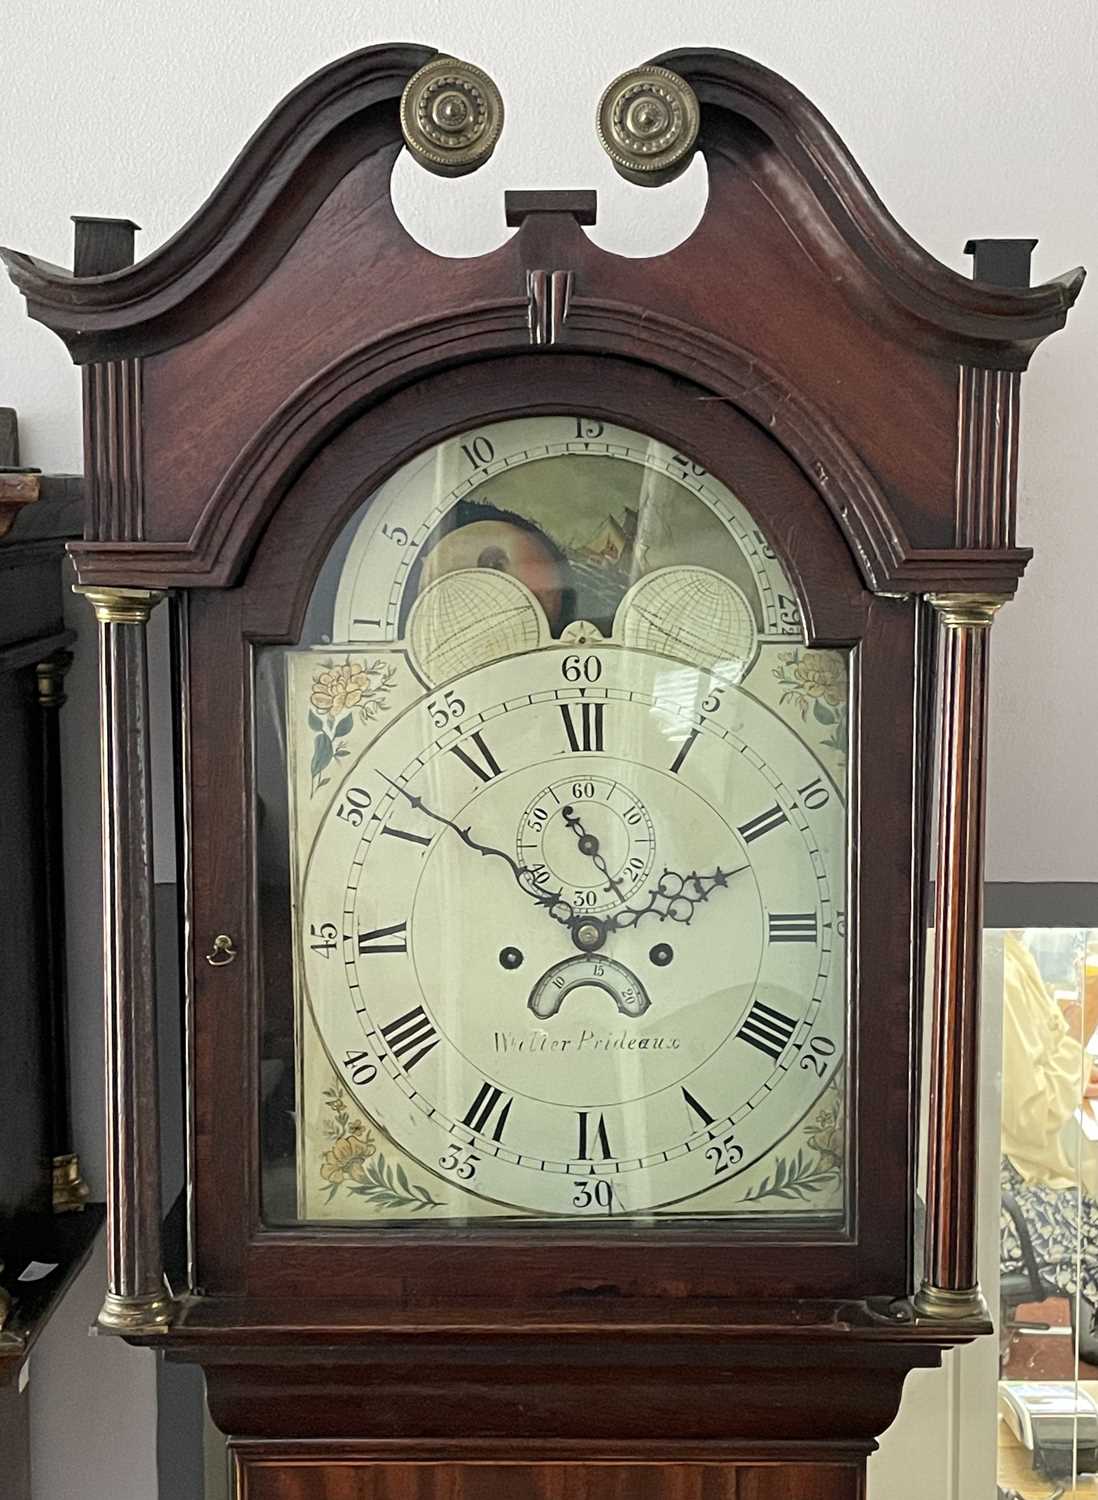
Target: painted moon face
[(505, 548)]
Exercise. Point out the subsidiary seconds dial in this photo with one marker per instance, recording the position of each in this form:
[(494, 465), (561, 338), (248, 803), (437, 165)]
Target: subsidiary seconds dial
[(588, 836)]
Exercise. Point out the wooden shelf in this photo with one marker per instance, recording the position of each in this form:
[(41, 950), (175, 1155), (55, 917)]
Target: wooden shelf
[(64, 1240)]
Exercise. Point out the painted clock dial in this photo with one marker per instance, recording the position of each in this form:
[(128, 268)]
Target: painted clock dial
[(568, 837)]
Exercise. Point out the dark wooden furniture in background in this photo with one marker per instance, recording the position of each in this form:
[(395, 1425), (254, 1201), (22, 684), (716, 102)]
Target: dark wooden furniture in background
[(246, 386), (43, 1216)]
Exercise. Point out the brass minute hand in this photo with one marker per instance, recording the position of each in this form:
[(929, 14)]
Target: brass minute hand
[(553, 901)]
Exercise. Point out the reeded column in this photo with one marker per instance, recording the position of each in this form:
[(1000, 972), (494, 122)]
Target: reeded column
[(950, 1287), (137, 1298)]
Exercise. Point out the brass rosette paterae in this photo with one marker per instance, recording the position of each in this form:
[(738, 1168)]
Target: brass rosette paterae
[(451, 114), (648, 124)]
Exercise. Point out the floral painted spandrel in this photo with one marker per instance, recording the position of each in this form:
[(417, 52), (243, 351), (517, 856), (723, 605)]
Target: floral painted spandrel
[(811, 1168), (343, 699), (353, 1165), (815, 684), (341, 693)]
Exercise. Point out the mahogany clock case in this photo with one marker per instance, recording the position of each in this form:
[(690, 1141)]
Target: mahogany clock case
[(233, 1247)]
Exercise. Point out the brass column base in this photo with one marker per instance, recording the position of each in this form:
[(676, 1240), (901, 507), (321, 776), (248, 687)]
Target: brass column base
[(945, 1306), (136, 1314), (70, 1191)]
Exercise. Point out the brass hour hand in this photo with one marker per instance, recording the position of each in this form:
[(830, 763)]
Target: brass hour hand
[(553, 901)]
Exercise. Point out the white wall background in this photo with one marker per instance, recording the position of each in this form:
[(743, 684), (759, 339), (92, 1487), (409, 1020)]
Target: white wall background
[(971, 117)]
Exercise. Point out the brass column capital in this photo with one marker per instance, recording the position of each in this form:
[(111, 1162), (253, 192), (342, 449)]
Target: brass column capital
[(120, 606), (976, 610)]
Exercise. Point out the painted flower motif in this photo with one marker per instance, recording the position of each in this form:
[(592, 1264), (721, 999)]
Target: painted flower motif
[(382, 1184), (815, 683), (825, 1133), (338, 688), (821, 675), (339, 691), (346, 1159)]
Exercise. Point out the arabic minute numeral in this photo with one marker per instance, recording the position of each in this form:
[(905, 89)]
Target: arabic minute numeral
[(593, 1194), (479, 451), (687, 465), (360, 1067), (325, 936), (789, 616), (587, 428), (463, 1164), (396, 534), (820, 1048), (356, 803), (724, 1155), (712, 704), (840, 923), (764, 546), (814, 794), (576, 668), (446, 709)]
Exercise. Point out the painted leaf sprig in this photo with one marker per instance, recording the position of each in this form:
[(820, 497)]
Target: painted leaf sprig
[(796, 1177), (387, 1185)]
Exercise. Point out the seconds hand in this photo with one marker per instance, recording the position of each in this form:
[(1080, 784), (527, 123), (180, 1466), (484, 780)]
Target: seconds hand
[(589, 845)]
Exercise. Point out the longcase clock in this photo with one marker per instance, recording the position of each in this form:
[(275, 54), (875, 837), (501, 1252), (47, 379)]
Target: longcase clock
[(565, 647)]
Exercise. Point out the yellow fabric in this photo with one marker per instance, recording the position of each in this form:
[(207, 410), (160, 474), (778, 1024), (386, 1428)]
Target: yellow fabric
[(1044, 1071)]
